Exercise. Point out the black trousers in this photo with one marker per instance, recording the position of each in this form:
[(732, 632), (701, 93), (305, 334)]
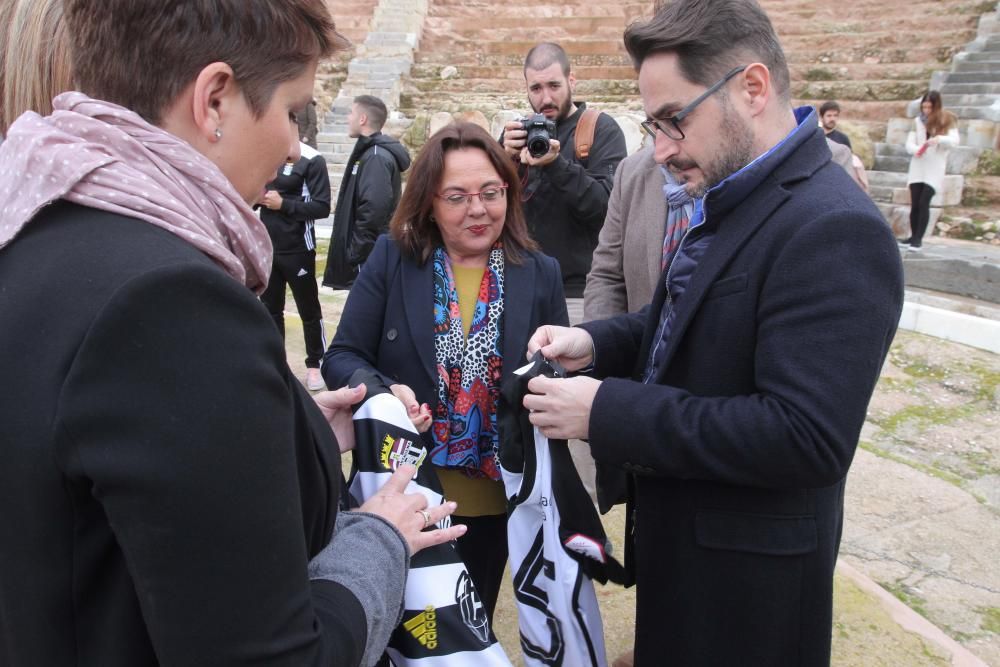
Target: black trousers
[(920, 211), (483, 548), (298, 271)]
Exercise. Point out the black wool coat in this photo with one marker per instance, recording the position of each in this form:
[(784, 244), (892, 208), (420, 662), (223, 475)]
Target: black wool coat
[(740, 445)]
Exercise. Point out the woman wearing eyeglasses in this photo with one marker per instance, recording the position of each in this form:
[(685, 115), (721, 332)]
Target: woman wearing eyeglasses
[(442, 310)]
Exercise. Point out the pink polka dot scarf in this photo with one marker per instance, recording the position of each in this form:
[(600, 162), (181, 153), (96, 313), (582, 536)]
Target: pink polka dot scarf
[(103, 156)]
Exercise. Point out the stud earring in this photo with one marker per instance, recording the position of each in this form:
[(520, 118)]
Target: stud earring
[(218, 133)]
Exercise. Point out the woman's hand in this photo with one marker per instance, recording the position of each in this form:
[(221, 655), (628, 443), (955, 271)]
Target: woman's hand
[(419, 413), (409, 514), (336, 407)]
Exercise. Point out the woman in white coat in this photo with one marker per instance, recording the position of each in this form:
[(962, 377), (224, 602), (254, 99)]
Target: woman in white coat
[(935, 132)]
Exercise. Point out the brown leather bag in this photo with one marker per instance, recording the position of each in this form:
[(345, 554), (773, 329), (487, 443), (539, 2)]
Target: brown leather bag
[(584, 137)]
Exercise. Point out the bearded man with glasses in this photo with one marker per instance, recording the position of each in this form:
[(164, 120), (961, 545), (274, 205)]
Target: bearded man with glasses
[(736, 398)]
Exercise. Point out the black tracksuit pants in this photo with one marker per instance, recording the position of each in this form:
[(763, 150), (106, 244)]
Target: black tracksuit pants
[(920, 211), (298, 271)]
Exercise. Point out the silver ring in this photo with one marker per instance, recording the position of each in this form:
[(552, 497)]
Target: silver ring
[(426, 515)]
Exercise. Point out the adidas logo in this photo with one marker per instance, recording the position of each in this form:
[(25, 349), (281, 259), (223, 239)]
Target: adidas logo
[(423, 627), (302, 272)]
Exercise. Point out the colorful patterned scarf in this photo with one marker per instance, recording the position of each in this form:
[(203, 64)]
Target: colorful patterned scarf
[(465, 420)]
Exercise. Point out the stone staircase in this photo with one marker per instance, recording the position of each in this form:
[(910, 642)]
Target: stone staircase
[(472, 53), (376, 67), (464, 57), (970, 90)]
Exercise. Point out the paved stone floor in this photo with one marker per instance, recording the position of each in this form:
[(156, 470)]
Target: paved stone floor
[(922, 509)]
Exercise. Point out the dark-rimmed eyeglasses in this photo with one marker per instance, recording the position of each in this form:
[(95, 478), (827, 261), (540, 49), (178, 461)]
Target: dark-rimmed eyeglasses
[(488, 196), (672, 126)]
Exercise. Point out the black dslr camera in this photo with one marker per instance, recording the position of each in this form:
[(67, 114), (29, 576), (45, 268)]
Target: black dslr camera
[(540, 131)]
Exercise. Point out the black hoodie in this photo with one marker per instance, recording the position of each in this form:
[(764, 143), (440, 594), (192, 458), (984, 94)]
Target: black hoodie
[(368, 196)]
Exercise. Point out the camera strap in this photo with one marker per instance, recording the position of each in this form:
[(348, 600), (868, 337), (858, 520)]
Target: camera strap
[(584, 137)]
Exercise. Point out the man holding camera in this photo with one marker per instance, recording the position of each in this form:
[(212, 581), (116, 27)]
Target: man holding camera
[(568, 177)]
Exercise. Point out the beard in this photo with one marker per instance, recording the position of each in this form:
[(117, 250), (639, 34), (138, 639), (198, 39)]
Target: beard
[(562, 110), (736, 140)]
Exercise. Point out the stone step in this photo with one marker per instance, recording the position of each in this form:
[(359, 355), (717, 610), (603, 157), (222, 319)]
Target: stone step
[(970, 100), (455, 48), (977, 67), (808, 52), (878, 23), (861, 110), (892, 162), (584, 87), (499, 23), (856, 71), (985, 113), (881, 38), (982, 56), (893, 89), (889, 186), (884, 149), (970, 89), (894, 157), (581, 72), (971, 77), (486, 57)]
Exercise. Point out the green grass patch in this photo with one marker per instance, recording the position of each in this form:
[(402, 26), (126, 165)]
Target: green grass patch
[(991, 619), (943, 475), (902, 592), (924, 416)]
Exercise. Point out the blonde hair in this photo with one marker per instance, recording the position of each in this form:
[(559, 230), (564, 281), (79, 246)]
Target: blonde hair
[(35, 63)]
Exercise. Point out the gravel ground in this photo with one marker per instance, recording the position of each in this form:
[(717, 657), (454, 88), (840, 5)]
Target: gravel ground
[(923, 509)]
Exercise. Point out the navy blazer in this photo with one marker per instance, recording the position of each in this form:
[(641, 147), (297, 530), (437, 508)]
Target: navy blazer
[(388, 321), (740, 444)]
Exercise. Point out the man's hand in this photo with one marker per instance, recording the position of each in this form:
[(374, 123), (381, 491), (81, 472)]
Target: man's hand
[(570, 346), (336, 407), (544, 160), (560, 407), (272, 200), (514, 138)]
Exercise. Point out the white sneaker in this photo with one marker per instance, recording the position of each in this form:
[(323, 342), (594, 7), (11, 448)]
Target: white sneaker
[(314, 380), (914, 248)]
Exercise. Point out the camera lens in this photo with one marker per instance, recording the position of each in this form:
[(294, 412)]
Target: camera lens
[(538, 145)]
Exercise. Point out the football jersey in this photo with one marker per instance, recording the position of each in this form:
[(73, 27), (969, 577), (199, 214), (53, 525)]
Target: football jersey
[(556, 541), (444, 621)]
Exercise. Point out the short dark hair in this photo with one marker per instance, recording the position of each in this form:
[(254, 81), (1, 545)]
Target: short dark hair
[(829, 105), (544, 55), (374, 109), (710, 38), (413, 226), (142, 53)]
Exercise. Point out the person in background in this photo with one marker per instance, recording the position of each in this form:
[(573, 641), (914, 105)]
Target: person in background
[(308, 124), (442, 311), (368, 192), (736, 398), (170, 491), (829, 116), (934, 133), (34, 57), (565, 192), (298, 195)]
